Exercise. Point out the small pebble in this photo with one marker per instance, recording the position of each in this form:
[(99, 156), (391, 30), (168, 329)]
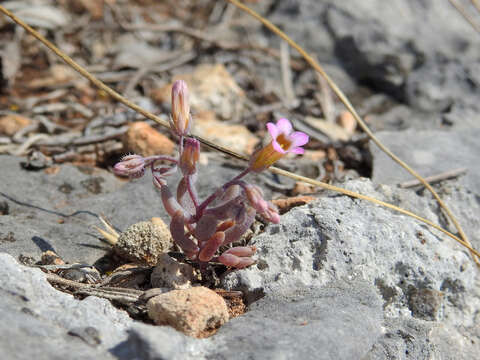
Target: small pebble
[(51, 258), (10, 124), (347, 121), (83, 274), (286, 204), (142, 139), (303, 188), (196, 312), (169, 273), (425, 303)]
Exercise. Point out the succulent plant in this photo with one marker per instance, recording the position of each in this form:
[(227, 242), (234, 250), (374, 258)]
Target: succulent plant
[(201, 228)]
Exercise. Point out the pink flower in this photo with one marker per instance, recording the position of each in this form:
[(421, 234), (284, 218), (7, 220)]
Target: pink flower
[(283, 141)]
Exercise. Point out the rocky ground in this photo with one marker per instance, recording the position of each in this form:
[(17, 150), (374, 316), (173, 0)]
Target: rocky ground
[(338, 278)]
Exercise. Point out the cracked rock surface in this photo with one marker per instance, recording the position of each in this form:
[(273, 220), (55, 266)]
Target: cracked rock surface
[(337, 278)]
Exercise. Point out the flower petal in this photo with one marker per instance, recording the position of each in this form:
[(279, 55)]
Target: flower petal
[(297, 150), (277, 147), (284, 126), (298, 138), (273, 130)]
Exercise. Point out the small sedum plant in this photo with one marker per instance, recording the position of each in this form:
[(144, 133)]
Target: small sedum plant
[(201, 228)]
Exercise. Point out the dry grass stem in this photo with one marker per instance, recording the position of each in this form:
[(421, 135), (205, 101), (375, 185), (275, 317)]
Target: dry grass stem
[(465, 13), (476, 3), (435, 178)]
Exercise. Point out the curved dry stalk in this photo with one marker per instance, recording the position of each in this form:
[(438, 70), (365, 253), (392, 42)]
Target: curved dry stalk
[(357, 117), (465, 13), (476, 3), (69, 61)]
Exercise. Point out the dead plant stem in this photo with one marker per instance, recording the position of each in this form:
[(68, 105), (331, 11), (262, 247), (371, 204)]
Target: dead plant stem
[(465, 14)]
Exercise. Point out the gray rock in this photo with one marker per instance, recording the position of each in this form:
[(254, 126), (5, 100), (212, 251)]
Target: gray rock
[(320, 273), (42, 323), (338, 237), (406, 339), (461, 116), (44, 211), (158, 342), (400, 117), (339, 321), (422, 53), (429, 152), (299, 323), (405, 50), (58, 211)]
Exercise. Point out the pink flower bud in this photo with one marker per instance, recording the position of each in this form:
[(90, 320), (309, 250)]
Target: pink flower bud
[(190, 156), (170, 204), (131, 165), (241, 251), (237, 262), (181, 119), (271, 214), (255, 198)]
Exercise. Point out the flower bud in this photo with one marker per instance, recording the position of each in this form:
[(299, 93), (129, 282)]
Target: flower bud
[(189, 157), (264, 158), (271, 214), (234, 261), (241, 251), (181, 119), (255, 198), (131, 165)]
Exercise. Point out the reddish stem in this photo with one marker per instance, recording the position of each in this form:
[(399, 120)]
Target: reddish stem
[(219, 191)]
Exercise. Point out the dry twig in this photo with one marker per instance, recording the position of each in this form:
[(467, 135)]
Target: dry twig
[(435, 178), (465, 14)]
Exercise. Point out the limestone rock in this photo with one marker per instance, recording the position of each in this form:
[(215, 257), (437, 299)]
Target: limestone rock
[(42, 323)]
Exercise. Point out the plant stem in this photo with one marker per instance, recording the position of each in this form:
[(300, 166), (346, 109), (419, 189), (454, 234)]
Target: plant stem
[(153, 159), (193, 193), (220, 191)]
